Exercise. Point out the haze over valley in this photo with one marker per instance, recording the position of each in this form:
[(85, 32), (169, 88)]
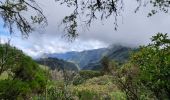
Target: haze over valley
[(84, 50)]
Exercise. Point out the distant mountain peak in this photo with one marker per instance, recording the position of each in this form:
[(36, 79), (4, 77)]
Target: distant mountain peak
[(86, 57)]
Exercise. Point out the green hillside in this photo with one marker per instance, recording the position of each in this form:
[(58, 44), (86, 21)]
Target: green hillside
[(143, 74), (117, 53), (20, 76), (54, 63), (89, 59), (81, 58)]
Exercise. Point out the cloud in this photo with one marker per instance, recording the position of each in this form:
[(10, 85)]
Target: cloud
[(134, 29), (44, 44)]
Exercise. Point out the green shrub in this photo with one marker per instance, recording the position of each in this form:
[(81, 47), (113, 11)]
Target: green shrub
[(55, 94), (97, 88), (84, 75), (87, 74), (87, 95), (13, 89), (118, 95), (78, 80), (25, 77), (154, 63)]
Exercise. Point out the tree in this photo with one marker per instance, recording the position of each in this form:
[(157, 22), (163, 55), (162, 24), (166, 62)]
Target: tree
[(87, 11), (147, 75), (12, 12), (126, 77), (105, 64), (154, 63), (8, 57), (25, 78)]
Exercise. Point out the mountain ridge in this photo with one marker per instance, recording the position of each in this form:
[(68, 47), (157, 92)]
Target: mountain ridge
[(58, 64), (88, 58)]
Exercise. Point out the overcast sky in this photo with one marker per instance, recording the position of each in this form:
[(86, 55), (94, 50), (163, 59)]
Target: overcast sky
[(134, 29)]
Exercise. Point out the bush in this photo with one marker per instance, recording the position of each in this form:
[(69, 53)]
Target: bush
[(154, 63), (97, 88), (78, 80), (118, 95), (14, 89), (84, 75), (87, 74), (25, 77), (87, 95)]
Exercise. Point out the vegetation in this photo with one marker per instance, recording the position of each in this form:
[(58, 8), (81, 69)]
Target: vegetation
[(12, 13), (99, 88), (85, 75), (24, 78), (91, 10), (154, 63), (57, 64), (90, 59), (144, 77)]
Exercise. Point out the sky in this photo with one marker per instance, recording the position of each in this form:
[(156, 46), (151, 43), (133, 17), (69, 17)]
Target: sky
[(134, 29)]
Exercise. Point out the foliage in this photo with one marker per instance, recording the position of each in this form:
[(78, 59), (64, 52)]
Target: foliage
[(9, 57), (144, 77), (58, 64), (14, 89), (154, 63), (84, 75), (87, 95), (4, 76), (56, 90), (11, 11), (98, 88), (105, 63), (109, 66), (78, 80), (91, 10), (118, 95), (126, 78), (25, 77), (55, 93), (157, 6), (87, 74)]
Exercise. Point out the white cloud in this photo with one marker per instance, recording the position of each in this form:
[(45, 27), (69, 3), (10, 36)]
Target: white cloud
[(36, 47), (134, 29)]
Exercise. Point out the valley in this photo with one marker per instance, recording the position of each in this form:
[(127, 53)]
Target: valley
[(90, 59), (84, 50)]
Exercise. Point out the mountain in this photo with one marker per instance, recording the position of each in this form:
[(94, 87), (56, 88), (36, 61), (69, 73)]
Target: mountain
[(93, 66), (89, 59), (81, 58), (117, 52), (55, 63)]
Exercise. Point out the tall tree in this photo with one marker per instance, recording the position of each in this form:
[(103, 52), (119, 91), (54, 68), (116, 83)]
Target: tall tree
[(105, 64), (154, 63)]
